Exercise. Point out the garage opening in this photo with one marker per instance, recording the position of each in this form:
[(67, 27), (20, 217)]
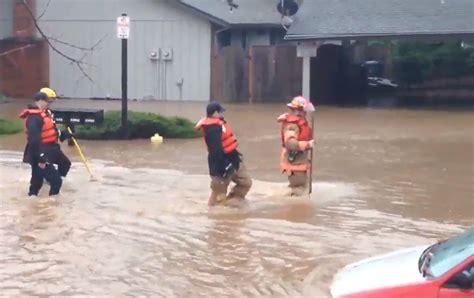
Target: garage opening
[(334, 80)]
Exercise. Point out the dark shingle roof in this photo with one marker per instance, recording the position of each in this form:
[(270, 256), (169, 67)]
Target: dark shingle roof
[(249, 12), (327, 19)]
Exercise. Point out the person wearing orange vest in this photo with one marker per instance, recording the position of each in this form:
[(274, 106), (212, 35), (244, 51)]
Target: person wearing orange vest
[(56, 156), (225, 162), (296, 140), (42, 150)]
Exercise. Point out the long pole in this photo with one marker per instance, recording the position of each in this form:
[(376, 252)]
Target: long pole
[(124, 86), (310, 189), (84, 160)]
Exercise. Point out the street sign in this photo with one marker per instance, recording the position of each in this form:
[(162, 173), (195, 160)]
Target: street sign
[(123, 27)]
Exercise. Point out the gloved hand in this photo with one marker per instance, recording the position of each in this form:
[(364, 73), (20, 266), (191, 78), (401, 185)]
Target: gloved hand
[(65, 135)]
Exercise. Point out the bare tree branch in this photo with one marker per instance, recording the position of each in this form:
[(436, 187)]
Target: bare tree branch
[(44, 11), (81, 60), (99, 41), (49, 42), (78, 63), (17, 49), (92, 48)]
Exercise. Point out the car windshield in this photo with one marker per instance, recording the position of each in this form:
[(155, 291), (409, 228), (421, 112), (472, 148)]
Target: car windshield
[(451, 253)]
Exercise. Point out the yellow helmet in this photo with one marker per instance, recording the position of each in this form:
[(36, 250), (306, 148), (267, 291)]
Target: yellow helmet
[(50, 92)]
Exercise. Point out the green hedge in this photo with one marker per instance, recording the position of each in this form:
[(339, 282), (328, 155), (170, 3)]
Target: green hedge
[(10, 126), (4, 98), (415, 62), (141, 125)]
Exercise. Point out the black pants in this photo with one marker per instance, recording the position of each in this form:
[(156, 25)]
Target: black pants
[(50, 174), (56, 156)]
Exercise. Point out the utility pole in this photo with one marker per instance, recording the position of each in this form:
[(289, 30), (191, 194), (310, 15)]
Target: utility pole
[(123, 33)]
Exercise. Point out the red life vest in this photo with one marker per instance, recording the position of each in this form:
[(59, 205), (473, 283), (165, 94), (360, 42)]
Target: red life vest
[(49, 133), (229, 142), (303, 125)]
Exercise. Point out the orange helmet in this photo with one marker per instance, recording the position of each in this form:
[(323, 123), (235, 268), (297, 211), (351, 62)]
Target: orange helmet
[(301, 103)]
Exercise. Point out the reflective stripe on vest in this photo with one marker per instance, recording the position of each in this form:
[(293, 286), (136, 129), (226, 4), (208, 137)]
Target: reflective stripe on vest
[(49, 133), (229, 142)]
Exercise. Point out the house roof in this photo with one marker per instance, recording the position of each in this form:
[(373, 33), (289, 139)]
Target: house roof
[(249, 12), (339, 19)]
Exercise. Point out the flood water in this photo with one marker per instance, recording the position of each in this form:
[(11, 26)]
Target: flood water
[(384, 179)]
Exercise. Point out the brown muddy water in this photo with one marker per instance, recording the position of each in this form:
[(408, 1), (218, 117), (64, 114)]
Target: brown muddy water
[(384, 179)]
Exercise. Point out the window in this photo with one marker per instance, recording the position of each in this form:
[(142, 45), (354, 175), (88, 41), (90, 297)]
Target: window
[(452, 252), (468, 272), (224, 38)]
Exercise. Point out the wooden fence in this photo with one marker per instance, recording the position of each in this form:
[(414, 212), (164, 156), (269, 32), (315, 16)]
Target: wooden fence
[(261, 74)]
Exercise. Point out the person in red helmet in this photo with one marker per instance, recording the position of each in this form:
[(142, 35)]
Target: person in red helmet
[(297, 141)]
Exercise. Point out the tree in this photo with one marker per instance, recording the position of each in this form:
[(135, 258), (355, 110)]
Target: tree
[(51, 40)]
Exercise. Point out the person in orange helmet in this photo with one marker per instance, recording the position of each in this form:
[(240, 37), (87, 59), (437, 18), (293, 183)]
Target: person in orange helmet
[(297, 141)]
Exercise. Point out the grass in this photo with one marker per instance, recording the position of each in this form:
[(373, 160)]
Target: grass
[(8, 126), (141, 125)]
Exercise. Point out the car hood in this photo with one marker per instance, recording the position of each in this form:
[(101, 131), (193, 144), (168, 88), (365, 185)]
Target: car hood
[(389, 270)]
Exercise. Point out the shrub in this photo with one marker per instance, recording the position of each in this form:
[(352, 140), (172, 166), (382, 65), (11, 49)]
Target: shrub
[(4, 98), (140, 125), (415, 62), (10, 126)]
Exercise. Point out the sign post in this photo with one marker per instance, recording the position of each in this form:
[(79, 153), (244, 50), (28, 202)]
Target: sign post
[(123, 33)]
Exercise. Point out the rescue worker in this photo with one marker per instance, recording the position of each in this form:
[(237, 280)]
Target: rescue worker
[(297, 140), (57, 156), (42, 150), (225, 162)]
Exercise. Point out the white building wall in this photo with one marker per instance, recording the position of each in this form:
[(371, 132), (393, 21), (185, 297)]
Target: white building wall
[(155, 24), (6, 19)]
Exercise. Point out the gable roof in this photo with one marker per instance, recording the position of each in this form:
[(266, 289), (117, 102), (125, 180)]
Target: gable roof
[(337, 19), (249, 12)]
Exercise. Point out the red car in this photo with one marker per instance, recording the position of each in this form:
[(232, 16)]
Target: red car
[(442, 270)]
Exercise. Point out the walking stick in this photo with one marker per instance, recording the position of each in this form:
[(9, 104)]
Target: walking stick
[(310, 189), (84, 160)]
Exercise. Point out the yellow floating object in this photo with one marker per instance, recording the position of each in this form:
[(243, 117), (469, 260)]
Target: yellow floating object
[(156, 139)]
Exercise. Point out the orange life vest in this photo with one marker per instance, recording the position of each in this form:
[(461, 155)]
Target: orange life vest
[(304, 135), (49, 133), (229, 142), (305, 130)]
